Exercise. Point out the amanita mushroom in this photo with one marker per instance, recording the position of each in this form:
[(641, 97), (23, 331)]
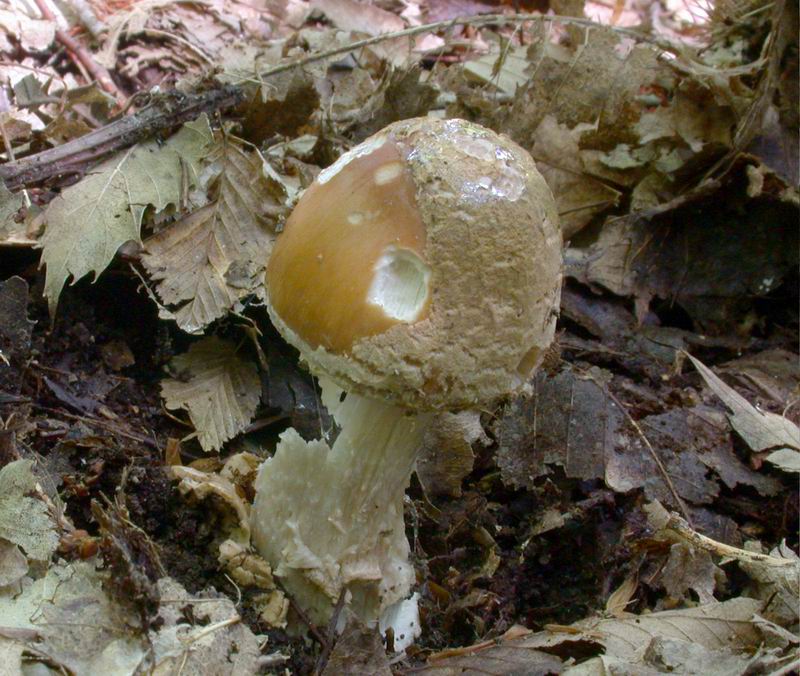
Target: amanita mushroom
[(421, 272)]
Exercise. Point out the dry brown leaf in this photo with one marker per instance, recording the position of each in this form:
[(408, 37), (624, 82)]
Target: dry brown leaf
[(446, 455), (89, 221), (772, 374), (579, 195), (690, 569), (621, 597), (778, 585), (205, 484), (761, 430), (776, 576), (359, 17), (709, 250), (728, 628), (209, 261), (31, 34), (568, 421), (218, 388), (358, 651)]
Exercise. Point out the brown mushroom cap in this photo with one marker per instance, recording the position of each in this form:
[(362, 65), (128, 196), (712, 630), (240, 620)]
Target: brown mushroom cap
[(423, 267)]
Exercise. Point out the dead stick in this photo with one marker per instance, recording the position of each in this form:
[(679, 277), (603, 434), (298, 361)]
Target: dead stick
[(166, 111)]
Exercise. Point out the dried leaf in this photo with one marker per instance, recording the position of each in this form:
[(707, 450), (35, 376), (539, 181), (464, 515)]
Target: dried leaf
[(89, 221), (206, 263), (715, 626), (568, 421), (213, 641), (621, 597), (24, 520), (446, 455), (349, 15), (218, 388), (761, 430), (688, 568), (283, 105), (358, 651), (15, 333), (10, 204), (579, 195), (776, 575), (711, 251), (72, 622), (32, 34), (205, 484), (779, 585), (504, 67), (13, 564)]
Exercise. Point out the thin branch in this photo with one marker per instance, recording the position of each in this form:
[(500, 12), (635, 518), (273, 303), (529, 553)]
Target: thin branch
[(481, 20), (177, 108), (682, 529), (166, 111)]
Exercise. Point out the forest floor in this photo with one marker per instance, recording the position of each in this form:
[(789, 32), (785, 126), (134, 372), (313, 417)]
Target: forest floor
[(636, 512)]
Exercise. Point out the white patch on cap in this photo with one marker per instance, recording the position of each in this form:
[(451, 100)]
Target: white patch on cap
[(388, 172), (400, 284), (369, 146), (355, 218)]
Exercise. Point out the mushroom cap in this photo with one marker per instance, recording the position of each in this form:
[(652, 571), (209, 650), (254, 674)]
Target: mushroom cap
[(423, 267)]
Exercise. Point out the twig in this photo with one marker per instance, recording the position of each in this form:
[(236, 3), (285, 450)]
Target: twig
[(481, 20), (114, 429), (166, 111), (176, 108), (331, 634), (685, 532), (80, 54)]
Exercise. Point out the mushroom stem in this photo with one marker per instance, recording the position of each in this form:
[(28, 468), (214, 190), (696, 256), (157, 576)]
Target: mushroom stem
[(330, 520)]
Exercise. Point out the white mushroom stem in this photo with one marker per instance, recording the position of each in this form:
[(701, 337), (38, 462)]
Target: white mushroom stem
[(330, 520)]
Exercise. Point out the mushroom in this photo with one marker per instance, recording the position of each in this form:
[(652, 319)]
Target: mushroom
[(421, 272)]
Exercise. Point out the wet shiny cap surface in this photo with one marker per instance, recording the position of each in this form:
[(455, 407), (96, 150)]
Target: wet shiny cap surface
[(350, 262)]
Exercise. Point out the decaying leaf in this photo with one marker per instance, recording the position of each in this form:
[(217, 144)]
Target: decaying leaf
[(690, 569), (15, 332), (88, 222), (24, 520), (504, 67), (775, 584), (246, 568), (11, 232), (617, 603), (206, 263), (568, 421), (218, 388), (349, 15), (32, 34), (215, 641), (761, 430), (358, 650), (774, 375), (446, 455), (776, 576), (13, 564), (205, 484), (281, 105), (708, 250), (67, 620), (579, 194), (70, 621)]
